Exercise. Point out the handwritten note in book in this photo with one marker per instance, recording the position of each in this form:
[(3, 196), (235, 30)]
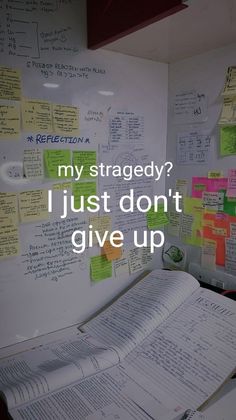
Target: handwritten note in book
[(8, 209), (33, 205), (36, 115), (33, 164), (10, 84), (54, 158), (66, 120), (189, 107), (193, 147), (9, 122)]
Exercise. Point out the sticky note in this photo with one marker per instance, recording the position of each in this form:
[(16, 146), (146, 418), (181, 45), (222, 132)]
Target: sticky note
[(228, 110), (228, 140), (215, 174), (111, 252), (65, 120), (54, 158), (101, 224), (85, 159), (62, 186), (157, 219), (217, 227), (36, 115), (9, 241), (100, 268), (229, 205), (213, 201), (83, 189), (174, 223), (9, 122), (231, 188), (181, 186), (138, 258), (230, 83), (201, 184), (10, 84), (33, 205), (8, 209), (208, 257), (233, 230), (33, 164), (121, 266)]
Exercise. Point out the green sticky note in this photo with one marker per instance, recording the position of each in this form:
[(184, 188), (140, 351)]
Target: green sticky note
[(55, 158), (85, 159), (157, 219), (100, 268), (229, 205), (228, 140), (83, 189)]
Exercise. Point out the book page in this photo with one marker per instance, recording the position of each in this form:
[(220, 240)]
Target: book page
[(140, 310), (36, 372), (98, 397), (102, 396), (191, 354)]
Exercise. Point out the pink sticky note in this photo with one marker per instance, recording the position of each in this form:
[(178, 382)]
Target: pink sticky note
[(231, 188), (201, 184)]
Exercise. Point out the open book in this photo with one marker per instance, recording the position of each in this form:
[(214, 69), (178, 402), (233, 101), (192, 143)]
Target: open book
[(164, 346)]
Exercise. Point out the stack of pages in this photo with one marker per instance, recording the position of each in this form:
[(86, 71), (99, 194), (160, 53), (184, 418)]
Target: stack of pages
[(163, 347)]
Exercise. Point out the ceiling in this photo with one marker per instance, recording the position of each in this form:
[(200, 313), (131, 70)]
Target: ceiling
[(203, 26)]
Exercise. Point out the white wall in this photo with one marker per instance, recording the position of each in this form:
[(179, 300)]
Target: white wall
[(30, 306), (206, 74)]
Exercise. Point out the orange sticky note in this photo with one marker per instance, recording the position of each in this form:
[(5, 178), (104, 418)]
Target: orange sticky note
[(111, 252)]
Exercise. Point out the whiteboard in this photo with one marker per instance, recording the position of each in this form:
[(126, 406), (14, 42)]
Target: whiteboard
[(46, 41), (206, 74)]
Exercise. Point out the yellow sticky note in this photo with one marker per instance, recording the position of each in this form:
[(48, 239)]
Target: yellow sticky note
[(9, 241), (111, 252), (157, 219), (100, 268), (215, 174), (228, 110), (66, 120), (55, 158), (33, 164), (85, 159), (8, 209), (36, 115), (33, 205), (10, 84), (85, 190), (9, 122), (230, 83), (62, 186), (101, 224)]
